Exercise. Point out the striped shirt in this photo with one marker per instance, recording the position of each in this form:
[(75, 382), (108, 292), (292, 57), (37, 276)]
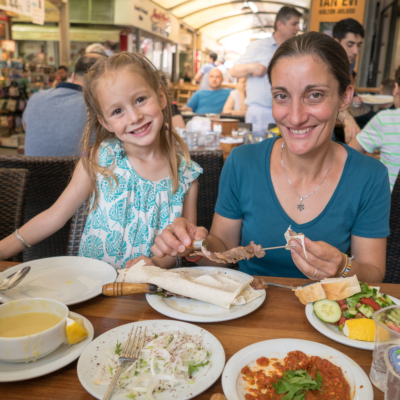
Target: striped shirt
[(383, 133)]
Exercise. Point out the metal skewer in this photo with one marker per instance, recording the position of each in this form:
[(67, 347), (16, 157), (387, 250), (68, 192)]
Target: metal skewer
[(278, 247)]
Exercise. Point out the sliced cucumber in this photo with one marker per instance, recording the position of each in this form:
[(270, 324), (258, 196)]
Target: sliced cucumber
[(327, 310)]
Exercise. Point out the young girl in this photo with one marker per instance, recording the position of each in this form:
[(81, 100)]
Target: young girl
[(137, 182)]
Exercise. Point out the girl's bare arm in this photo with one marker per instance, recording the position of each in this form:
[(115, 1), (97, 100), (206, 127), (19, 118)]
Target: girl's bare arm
[(190, 213), (53, 219)]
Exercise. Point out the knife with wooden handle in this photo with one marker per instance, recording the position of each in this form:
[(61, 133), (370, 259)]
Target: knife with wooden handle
[(118, 289)]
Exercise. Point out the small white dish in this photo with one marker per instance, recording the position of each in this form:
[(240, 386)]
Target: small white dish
[(94, 357), (376, 100), (33, 347), (233, 384), (70, 280), (332, 332), (59, 358), (192, 310)]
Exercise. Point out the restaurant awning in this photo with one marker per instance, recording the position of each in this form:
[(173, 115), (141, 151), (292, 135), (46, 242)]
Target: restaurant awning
[(220, 19)]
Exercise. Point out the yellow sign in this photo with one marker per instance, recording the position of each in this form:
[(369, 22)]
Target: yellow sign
[(328, 11)]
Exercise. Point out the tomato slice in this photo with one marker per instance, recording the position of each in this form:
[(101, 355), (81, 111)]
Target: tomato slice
[(370, 302)]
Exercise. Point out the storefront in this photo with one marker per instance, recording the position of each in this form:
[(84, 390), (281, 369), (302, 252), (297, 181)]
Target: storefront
[(39, 44), (151, 30)]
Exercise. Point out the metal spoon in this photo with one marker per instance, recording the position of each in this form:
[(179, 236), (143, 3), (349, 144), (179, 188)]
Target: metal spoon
[(14, 279)]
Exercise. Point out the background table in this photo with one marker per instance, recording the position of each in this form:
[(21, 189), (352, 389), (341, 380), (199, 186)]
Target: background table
[(281, 316)]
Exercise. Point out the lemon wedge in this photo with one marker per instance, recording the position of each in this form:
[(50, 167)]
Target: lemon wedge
[(75, 329), (360, 329)]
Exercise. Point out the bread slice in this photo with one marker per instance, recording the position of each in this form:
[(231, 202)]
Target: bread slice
[(340, 288), (310, 293)]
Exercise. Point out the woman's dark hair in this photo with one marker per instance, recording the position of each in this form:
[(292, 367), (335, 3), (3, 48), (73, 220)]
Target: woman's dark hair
[(319, 46)]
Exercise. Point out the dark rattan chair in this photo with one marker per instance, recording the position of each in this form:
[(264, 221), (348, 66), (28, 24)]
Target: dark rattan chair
[(210, 161), (13, 189), (393, 243), (48, 178)]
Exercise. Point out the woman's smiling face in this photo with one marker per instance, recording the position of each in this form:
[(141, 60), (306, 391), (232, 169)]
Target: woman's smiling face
[(306, 102)]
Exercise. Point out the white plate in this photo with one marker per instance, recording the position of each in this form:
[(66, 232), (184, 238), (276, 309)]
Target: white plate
[(94, 357), (64, 355), (376, 100), (198, 311), (332, 332), (70, 280), (233, 384)]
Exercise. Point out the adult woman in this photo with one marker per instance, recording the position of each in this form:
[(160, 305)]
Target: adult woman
[(323, 189), (235, 105)]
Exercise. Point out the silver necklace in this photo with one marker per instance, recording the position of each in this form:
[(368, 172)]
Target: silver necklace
[(300, 206)]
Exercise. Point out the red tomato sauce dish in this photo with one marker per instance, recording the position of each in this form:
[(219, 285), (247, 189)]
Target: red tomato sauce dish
[(268, 378)]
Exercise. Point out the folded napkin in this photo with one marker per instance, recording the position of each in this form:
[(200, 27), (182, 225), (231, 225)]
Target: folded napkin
[(213, 286)]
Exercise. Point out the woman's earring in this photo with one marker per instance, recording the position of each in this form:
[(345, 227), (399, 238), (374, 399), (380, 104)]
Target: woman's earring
[(344, 117)]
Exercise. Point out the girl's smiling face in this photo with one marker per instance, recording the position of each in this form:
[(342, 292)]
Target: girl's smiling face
[(306, 102), (130, 108)]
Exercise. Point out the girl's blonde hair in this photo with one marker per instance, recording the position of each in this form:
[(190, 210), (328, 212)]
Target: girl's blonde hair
[(140, 65)]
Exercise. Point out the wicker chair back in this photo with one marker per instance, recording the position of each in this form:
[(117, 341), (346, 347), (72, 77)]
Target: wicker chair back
[(48, 178), (13, 189)]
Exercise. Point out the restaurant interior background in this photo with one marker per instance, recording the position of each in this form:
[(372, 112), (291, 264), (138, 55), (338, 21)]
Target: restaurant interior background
[(175, 35)]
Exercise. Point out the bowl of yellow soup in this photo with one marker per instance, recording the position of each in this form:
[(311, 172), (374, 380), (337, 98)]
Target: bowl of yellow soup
[(31, 328)]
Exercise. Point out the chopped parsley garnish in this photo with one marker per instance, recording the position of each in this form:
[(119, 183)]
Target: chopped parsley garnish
[(111, 370), (296, 384), (196, 367), (118, 348), (131, 396), (137, 373)]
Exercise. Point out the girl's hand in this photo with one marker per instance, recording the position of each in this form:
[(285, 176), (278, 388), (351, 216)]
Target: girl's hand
[(324, 260), (147, 260), (175, 237)]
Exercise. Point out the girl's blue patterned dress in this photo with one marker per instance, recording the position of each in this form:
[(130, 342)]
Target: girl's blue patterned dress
[(131, 214)]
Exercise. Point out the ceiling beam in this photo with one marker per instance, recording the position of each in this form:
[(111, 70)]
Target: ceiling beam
[(234, 2), (245, 30), (233, 16)]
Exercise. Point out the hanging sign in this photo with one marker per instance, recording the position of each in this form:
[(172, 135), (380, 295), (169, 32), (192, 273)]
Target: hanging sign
[(30, 8)]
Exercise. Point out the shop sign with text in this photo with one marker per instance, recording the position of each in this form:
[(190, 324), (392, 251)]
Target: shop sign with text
[(329, 11), (146, 15)]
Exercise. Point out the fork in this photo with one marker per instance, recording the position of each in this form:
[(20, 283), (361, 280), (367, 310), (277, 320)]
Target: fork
[(129, 354)]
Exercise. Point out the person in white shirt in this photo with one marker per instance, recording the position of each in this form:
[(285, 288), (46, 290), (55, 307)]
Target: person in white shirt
[(254, 63), (225, 73), (235, 105), (202, 75)]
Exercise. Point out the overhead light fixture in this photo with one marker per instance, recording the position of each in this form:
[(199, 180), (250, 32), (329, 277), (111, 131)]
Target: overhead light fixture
[(253, 7), (250, 6)]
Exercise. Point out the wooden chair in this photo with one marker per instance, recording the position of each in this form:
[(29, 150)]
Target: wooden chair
[(48, 178), (393, 242), (14, 185), (211, 162)]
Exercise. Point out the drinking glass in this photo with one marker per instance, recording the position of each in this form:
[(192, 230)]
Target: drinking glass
[(191, 140), (211, 140), (392, 361), (385, 337)]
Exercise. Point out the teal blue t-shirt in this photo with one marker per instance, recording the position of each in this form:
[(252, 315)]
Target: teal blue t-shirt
[(208, 101), (360, 206)]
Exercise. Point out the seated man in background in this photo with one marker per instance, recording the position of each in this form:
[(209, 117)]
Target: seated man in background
[(202, 76), (54, 120), (383, 133), (235, 104), (387, 88), (209, 101)]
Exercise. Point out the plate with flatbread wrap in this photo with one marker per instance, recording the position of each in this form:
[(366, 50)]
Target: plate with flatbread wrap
[(198, 294)]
